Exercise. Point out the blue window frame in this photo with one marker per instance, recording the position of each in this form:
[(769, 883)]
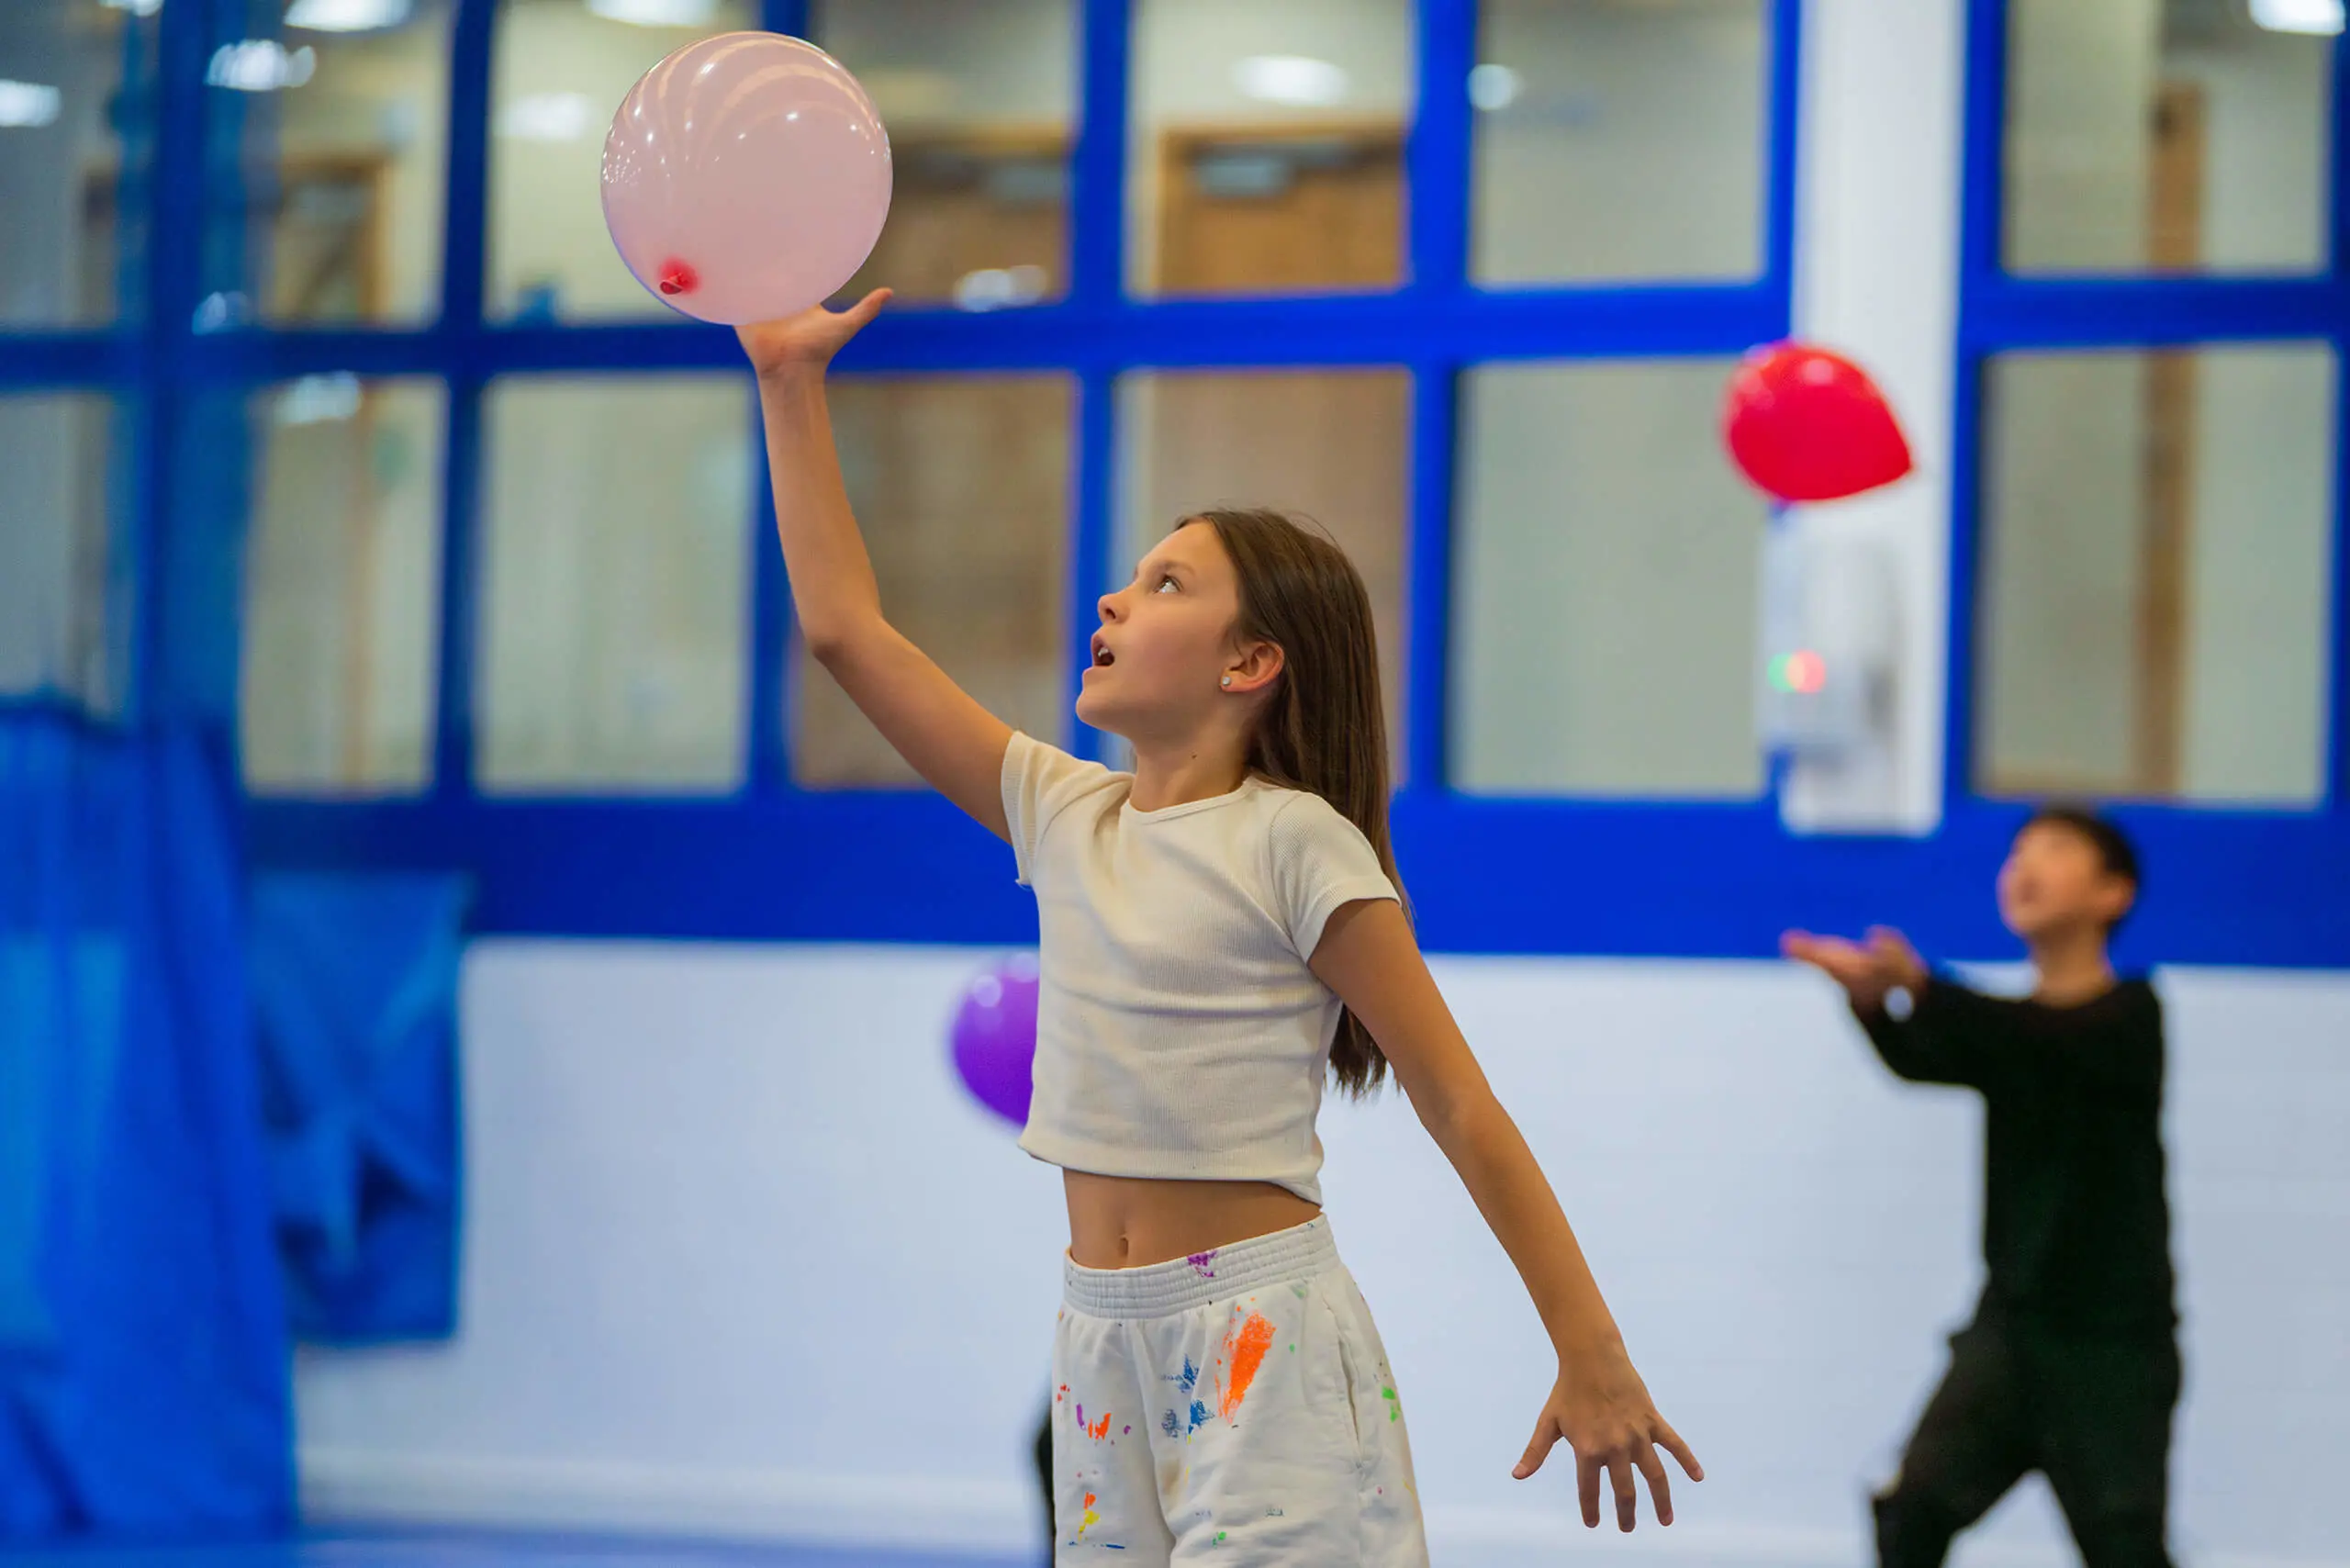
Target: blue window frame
[(2230, 886), (773, 861)]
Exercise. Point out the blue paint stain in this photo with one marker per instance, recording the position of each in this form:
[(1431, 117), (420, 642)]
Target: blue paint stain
[(1170, 1425), (1189, 1378), (1198, 1415)]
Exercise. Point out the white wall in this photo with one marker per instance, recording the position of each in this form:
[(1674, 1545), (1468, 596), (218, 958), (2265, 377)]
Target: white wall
[(740, 1258)]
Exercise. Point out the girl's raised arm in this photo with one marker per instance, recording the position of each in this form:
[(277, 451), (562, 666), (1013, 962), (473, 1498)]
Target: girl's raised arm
[(934, 724)]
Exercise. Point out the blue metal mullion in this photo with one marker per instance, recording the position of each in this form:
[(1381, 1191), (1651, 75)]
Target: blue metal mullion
[(2336, 782), (37, 362), (1982, 182), (464, 230), (1983, 170), (458, 348), (768, 694), (174, 238), (1783, 100), (1094, 514), (1971, 372), (1438, 155), (766, 731), (1440, 163), (1427, 619), (1999, 313), (461, 554), (1097, 203)]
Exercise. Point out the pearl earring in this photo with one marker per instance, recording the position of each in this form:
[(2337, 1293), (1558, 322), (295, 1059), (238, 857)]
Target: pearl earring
[(1227, 681)]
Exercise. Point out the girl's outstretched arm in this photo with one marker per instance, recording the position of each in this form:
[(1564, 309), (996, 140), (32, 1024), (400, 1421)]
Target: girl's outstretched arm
[(934, 724), (1598, 1404)]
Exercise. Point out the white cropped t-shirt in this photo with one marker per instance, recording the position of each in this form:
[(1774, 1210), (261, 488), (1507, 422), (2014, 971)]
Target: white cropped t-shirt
[(1179, 1031)]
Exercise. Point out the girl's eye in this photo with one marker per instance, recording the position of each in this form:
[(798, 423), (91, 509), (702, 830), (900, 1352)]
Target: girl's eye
[(1166, 584)]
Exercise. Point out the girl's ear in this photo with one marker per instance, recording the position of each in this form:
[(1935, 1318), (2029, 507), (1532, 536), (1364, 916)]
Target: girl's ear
[(1253, 667)]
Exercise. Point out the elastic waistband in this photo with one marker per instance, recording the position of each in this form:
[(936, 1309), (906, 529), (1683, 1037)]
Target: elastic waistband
[(1178, 1284)]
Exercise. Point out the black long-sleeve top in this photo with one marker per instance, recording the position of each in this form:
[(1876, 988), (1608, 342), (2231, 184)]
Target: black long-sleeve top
[(2076, 1223)]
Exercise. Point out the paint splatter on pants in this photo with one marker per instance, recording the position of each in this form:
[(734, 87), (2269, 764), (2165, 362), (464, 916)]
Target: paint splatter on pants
[(1234, 1407)]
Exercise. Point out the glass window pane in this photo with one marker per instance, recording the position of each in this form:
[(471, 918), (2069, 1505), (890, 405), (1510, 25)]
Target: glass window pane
[(338, 116), (2155, 559), (1619, 139), (342, 586), (562, 68), (1607, 583), (1332, 447), (615, 627), (962, 487), (72, 79), (1267, 148), (63, 608), (979, 100), (2150, 135)]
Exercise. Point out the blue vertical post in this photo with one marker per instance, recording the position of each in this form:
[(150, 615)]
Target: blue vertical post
[(1097, 228), (767, 732), (767, 722), (1783, 99), (175, 239), (1981, 223), (2337, 754), (1438, 166), (464, 259)]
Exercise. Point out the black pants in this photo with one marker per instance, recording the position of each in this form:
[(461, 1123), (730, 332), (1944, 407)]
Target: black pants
[(1045, 1473), (2092, 1413)]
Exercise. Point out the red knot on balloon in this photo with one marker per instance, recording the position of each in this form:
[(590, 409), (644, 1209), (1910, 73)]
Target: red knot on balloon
[(679, 277)]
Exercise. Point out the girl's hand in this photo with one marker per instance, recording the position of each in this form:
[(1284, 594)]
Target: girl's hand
[(810, 340), (1602, 1409)]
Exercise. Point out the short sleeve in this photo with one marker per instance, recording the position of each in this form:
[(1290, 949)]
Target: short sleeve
[(1038, 781), (1319, 862)]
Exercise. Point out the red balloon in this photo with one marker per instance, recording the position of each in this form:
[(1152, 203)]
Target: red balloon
[(1809, 425)]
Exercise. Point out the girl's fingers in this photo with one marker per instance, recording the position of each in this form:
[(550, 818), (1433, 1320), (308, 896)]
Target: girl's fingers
[(864, 309), (1538, 1446), (1627, 1496), (1670, 1440), (1660, 1483), (1587, 1488)]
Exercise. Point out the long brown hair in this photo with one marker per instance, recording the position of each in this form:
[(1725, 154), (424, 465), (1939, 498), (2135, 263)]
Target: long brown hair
[(1325, 727)]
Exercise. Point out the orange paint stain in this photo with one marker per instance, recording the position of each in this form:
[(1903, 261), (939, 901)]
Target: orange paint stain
[(1245, 1350), (1101, 1428)]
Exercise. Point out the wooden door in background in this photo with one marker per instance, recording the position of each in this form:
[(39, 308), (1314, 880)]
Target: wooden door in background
[(2174, 243), (1258, 209)]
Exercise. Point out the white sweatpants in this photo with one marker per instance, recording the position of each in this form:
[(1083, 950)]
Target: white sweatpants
[(1235, 1406)]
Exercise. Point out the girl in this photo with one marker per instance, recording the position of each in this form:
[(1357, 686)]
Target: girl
[(1221, 927)]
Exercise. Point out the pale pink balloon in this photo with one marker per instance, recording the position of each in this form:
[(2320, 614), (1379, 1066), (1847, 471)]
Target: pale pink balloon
[(745, 177)]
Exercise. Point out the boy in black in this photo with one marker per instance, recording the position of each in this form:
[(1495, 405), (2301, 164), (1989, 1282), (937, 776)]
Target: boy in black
[(2071, 1366)]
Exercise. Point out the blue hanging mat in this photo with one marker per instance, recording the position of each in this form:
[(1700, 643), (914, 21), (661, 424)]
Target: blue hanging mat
[(143, 1384), (355, 995)]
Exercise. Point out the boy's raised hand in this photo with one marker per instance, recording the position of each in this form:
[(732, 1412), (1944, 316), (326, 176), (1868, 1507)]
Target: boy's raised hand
[(1868, 972), (808, 340)]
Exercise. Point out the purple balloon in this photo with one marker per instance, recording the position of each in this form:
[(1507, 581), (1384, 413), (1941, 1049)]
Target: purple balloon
[(995, 1038), (747, 177)]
